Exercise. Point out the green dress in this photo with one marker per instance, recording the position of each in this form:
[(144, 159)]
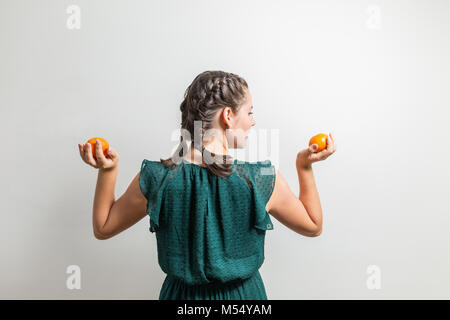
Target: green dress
[(210, 230)]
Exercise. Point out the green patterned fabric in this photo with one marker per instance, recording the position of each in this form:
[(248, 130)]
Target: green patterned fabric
[(210, 230)]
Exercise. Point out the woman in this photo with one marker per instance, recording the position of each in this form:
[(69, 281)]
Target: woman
[(209, 211)]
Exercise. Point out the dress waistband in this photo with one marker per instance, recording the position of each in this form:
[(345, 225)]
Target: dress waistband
[(214, 283), (252, 288)]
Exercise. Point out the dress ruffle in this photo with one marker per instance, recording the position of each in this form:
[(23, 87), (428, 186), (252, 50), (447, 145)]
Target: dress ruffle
[(153, 180), (260, 177)]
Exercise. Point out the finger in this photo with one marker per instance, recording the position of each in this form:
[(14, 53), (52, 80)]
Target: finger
[(112, 153), (323, 154), (80, 148), (329, 143), (84, 152), (99, 153), (89, 157), (86, 148), (334, 142)]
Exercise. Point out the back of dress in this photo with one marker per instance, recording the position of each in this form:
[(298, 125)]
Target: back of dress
[(209, 229)]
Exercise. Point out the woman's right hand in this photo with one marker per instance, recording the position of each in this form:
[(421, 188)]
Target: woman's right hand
[(308, 156), (102, 163)]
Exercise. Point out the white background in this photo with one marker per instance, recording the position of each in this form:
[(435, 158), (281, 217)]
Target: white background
[(374, 73)]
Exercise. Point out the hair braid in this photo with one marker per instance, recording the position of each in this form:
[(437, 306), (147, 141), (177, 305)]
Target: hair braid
[(208, 93)]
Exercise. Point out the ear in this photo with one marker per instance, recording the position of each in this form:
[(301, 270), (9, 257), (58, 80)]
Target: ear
[(227, 117)]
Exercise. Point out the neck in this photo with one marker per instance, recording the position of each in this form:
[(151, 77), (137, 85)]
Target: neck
[(217, 146), (214, 146)]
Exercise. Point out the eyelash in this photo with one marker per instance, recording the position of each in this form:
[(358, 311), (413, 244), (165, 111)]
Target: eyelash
[(250, 113)]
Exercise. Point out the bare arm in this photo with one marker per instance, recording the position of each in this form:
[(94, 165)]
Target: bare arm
[(111, 217), (309, 196), (104, 198), (301, 214)]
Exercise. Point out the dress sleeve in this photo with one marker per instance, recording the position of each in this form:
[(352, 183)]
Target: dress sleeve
[(152, 181), (263, 176)]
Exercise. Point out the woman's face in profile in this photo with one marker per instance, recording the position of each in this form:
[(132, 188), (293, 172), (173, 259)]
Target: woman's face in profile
[(243, 121)]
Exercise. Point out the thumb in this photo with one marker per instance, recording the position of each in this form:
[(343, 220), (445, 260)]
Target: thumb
[(111, 153)]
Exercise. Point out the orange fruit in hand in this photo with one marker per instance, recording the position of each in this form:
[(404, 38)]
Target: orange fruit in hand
[(321, 141), (105, 146)]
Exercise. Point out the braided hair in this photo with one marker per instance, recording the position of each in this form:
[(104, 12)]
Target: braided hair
[(209, 92)]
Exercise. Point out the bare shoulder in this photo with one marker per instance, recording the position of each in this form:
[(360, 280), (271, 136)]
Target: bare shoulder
[(135, 188), (281, 192), (132, 199)]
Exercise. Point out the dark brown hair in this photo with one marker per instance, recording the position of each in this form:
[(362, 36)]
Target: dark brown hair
[(209, 92)]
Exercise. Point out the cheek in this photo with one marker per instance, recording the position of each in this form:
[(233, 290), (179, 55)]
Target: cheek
[(249, 123), (245, 123)]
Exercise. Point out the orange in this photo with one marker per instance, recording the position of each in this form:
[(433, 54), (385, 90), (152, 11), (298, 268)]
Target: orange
[(321, 141), (105, 146)]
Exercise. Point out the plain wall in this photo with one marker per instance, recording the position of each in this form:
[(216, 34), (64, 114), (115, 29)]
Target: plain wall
[(374, 73)]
